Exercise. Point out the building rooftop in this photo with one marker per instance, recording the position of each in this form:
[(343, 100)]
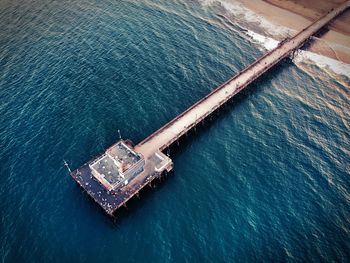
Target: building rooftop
[(105, 166), (123, 155), (110, 168)]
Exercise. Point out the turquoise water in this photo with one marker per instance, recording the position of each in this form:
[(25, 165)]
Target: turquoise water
[(267, 180)]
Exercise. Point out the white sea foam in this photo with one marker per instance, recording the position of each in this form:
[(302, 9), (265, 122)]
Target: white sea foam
[(237, 9), (266, 42), (303, 56), (334, 65)]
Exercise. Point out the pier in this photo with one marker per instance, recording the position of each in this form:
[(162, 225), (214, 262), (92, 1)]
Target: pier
[(124, 169)]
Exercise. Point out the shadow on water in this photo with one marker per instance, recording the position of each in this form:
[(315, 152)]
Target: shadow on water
[(135, 203), (185, 141), (145, 195)]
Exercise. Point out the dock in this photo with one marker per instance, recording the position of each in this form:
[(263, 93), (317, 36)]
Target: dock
[(124, 169)]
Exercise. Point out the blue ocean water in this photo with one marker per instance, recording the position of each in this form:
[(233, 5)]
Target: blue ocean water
[(267, 180)]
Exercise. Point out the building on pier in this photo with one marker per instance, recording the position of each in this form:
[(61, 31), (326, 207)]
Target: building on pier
[(119, 173), (117, 166)]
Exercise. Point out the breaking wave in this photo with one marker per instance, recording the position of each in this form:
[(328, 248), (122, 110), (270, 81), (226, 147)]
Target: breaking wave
[(238, 10), (268, 43), (304, 56)]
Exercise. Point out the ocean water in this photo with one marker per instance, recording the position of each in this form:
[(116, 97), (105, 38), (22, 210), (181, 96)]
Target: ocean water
[(267, 180)]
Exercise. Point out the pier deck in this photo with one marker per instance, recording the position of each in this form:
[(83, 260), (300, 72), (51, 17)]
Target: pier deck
[(174, 129), (156, 163)]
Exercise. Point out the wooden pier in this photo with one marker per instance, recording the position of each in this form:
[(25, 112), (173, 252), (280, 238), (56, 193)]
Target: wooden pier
[(156, 163)]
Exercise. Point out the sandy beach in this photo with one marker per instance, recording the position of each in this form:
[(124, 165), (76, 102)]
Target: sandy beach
[(296, 14)]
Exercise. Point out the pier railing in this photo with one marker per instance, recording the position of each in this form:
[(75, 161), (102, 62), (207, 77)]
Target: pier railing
[(294, 43)]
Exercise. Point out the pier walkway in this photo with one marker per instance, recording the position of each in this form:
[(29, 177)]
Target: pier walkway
[(174, 129), (123, 170)]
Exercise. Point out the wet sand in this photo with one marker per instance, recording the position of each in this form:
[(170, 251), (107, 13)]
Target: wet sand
[(297, 14)]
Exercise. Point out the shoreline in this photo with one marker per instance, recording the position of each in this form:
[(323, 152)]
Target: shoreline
[(335, 43), (268, 24), (303, 56)]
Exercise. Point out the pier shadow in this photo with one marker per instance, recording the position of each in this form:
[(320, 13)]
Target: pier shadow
[(186, 140), (315, 38), (135, 203), (146, 195)]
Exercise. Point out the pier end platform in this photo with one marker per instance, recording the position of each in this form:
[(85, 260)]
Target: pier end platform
[(114, 177)]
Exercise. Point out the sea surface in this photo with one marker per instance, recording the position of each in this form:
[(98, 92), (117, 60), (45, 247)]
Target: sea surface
[(267, 180)]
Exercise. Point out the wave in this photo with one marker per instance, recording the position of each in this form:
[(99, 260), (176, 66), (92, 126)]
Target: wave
[(266, 42), (334, 65), (239, 10), (303, 56)]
